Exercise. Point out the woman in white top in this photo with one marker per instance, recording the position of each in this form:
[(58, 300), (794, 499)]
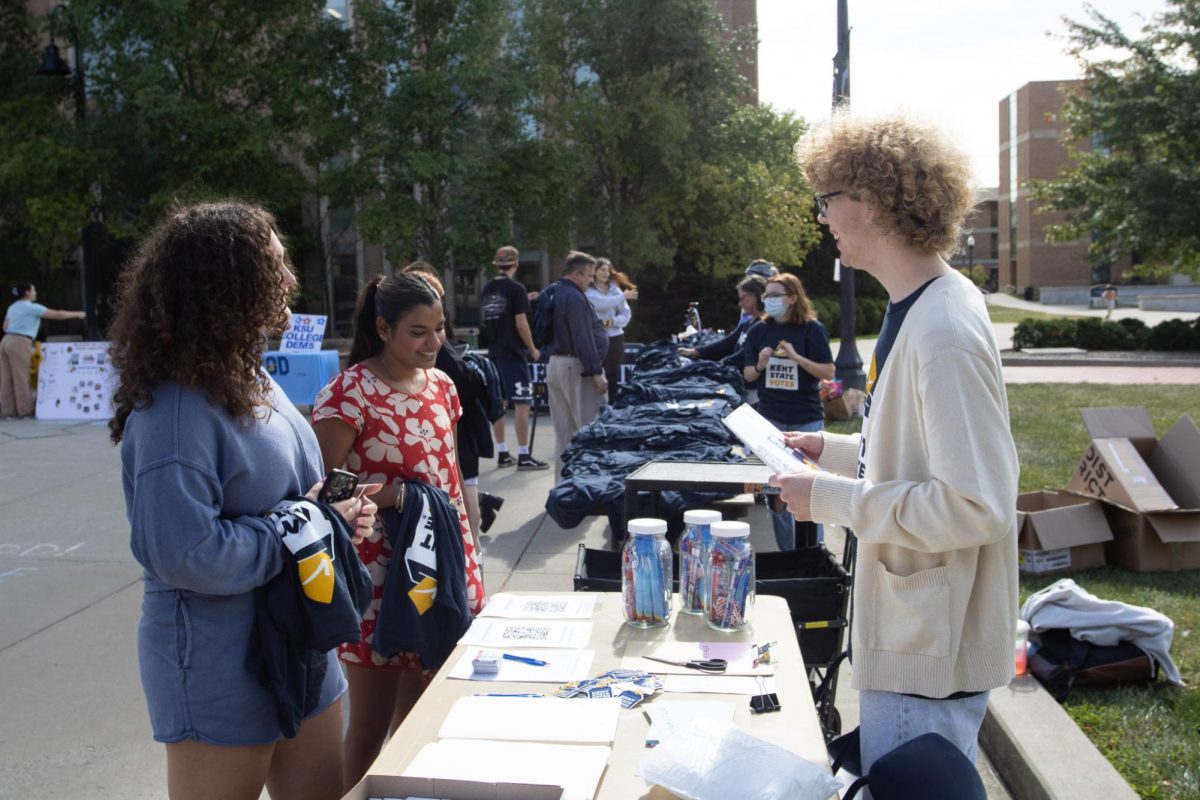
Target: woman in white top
[(609, 295), (21, 324)]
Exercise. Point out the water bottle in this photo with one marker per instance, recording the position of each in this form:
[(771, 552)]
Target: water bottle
[(730, 591), (646, 574), (693, 558)]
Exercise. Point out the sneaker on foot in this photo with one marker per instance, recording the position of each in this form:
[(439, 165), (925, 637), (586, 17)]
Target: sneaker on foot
[(529, 462), (505, 460)]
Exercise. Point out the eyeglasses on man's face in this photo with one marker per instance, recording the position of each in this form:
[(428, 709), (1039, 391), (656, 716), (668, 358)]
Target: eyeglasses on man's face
[(823, 201)]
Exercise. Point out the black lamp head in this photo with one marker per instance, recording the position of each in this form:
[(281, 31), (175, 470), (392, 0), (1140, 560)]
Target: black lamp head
[(52, 62)]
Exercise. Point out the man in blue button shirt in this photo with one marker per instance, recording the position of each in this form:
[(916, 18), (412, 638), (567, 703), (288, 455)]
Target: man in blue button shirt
[(575, 375)]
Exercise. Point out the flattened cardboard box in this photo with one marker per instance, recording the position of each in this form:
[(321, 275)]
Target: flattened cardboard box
[(1059, 532), (1150, 487), (390, 786)]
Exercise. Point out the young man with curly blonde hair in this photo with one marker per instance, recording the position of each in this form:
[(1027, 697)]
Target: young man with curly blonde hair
[(929, 486)]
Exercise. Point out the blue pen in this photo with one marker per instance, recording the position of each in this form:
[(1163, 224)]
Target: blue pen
[(515, 694), (533, 662)]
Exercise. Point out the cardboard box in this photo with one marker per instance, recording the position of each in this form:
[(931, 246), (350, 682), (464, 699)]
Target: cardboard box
[(390, 786), (1059, 532), (1150, 487)]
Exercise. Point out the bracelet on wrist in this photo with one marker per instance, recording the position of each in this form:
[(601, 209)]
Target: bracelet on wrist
[(400, 497)]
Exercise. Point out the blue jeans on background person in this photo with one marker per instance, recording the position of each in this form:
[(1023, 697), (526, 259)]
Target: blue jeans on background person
[(783, 521)]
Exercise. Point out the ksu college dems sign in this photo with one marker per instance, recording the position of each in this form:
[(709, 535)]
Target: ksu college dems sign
[(75, 381), (304, 335)]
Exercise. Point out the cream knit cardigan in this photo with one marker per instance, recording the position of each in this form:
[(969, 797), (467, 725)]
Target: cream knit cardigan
[(935, 586)]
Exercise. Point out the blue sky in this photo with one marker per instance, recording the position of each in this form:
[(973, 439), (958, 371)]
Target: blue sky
[(947, 61)]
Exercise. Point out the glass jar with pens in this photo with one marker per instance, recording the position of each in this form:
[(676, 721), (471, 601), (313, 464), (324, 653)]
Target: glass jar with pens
[(693, 558), (730, 586), (646, 574)]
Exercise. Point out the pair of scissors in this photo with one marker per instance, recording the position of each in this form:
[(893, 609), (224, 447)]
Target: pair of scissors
[(712, 666)]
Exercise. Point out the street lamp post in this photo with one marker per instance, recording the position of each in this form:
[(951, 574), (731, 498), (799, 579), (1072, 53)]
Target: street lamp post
[(848, 362), (970, 253), (54, 65)]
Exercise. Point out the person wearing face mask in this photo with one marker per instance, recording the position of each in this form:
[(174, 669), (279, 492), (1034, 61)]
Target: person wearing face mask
[(790, 354), (750, 291)]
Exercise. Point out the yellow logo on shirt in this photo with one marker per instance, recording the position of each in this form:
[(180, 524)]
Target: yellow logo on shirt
[(316, 576), (423, 594), (871, 374)]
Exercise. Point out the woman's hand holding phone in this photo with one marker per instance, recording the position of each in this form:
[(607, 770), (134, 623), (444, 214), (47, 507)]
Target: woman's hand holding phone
[(358, 511)]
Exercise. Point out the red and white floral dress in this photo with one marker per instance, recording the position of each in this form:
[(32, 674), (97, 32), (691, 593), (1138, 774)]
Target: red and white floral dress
[(400, 437)]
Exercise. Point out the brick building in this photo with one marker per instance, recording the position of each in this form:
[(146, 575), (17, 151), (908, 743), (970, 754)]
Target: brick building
[(1032, 147)]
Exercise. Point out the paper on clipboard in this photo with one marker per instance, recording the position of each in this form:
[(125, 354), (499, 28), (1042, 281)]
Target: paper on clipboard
[(719, 684), (766, 441), (496, 632), (552, 606)]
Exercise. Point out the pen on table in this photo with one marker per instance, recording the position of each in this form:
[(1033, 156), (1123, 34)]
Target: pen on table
[(533, 662), (512, 694)]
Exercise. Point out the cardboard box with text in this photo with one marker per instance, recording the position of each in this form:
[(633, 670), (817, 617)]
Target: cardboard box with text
[(1059, 532), (1150, 487)]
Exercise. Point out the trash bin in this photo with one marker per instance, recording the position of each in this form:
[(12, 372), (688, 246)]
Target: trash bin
[(1029, 293)]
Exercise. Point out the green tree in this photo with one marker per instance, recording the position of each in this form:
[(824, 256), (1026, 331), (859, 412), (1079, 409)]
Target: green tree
[(1134, 186), (438, 125)]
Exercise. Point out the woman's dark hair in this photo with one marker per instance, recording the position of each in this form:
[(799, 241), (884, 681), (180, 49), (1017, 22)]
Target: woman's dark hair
[(756, 286), (423, 269), (390, 297), (192, 308), (20, 289)]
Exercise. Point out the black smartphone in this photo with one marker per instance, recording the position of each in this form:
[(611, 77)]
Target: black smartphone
[(339, 485)]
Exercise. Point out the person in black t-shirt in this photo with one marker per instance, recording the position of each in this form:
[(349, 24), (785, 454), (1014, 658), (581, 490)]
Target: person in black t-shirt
[(789, 354), (504, 307)]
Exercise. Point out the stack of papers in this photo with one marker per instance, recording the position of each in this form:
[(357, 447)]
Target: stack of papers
[(532, 719), (497, 632), (564, 606), (576, 769)]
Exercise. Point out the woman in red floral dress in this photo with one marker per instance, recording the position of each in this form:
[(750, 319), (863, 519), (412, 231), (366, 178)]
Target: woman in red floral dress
[(390, 417)]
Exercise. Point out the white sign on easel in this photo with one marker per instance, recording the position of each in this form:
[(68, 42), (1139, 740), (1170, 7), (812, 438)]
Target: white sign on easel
[(305, 334), (75, 382)]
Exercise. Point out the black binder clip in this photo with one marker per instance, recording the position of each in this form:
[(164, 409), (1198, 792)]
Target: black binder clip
[(765, 703)]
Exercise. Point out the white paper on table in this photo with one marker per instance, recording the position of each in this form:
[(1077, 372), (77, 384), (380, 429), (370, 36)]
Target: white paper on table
[(506, 633), (561, 666), (760, 436), (719, 684), (533, 719), (668, 717), (576, 768), (557, 606), (740, 656)]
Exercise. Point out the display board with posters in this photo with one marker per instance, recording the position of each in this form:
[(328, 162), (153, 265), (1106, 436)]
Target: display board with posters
[(75, 382), (304, 334)]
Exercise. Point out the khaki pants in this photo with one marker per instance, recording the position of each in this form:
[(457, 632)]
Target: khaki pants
[(574, 402), (16, 354)]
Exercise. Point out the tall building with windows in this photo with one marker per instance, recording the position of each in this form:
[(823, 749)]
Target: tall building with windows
[(738, 14), (1032, 147)]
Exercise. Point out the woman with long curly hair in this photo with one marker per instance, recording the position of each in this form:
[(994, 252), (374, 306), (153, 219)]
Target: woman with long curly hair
[(390, 417), (789, 352), (209, 444)]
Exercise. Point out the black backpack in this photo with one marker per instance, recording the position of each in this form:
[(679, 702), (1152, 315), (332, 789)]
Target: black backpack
[(543, 317), (1061, 661)]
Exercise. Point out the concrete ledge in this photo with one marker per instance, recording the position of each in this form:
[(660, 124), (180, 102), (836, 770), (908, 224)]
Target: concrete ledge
[(1129, 358), (1187, 303), (1039, 751)]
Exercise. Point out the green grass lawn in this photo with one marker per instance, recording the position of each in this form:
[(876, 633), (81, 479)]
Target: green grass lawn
[(1006, 314), (1151, 734)]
